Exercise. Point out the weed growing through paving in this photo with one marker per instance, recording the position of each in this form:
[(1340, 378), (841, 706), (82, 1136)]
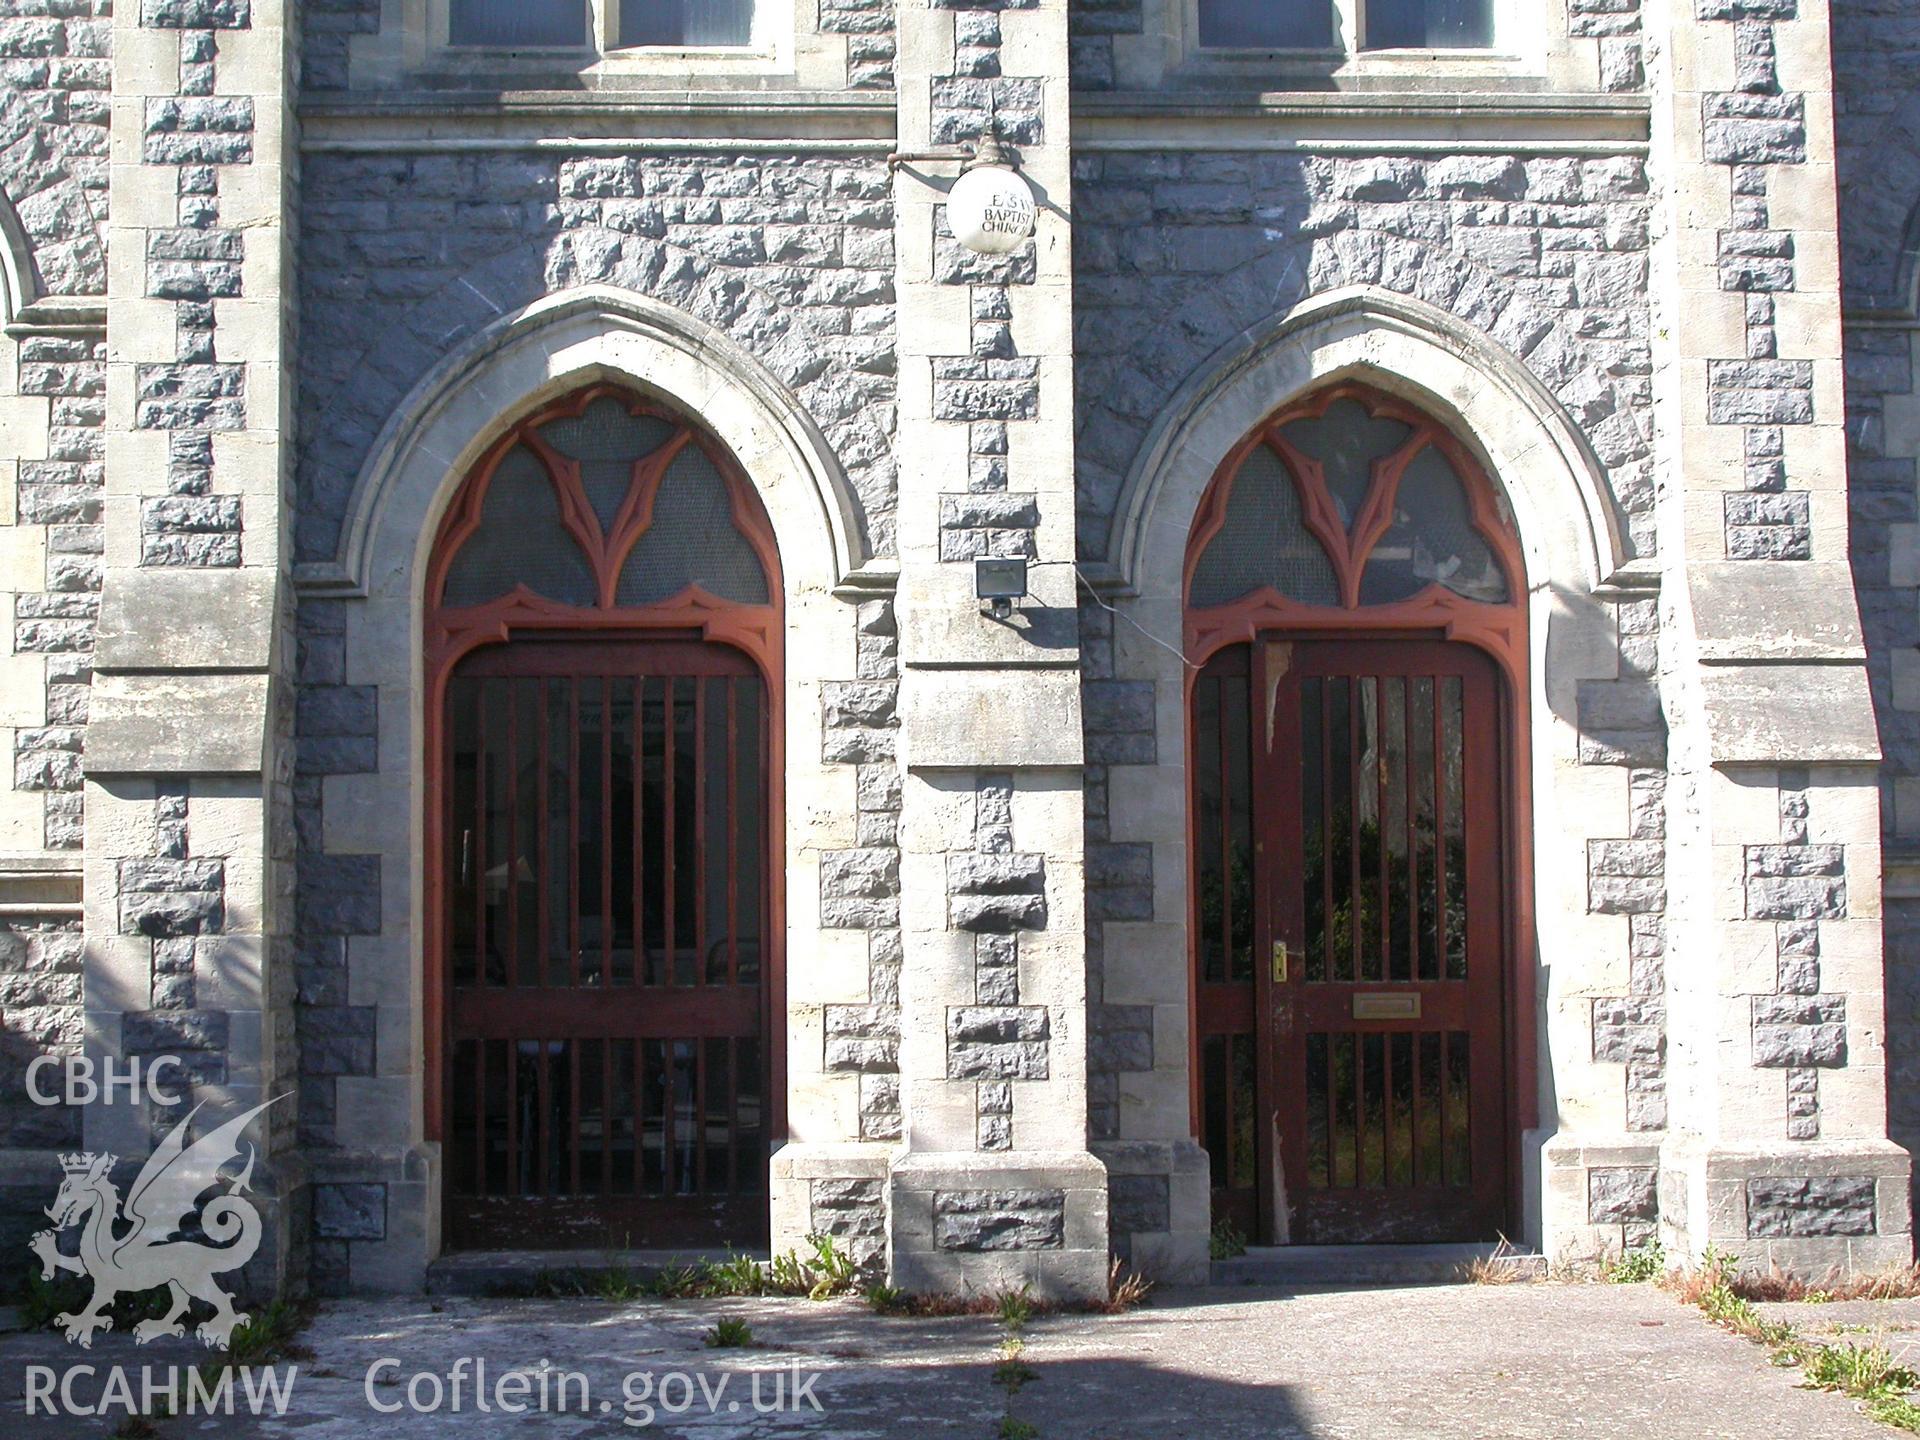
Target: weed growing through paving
[(1495, 1269), (1012, 1374), (1632, 1267), (41, 1300), (729, 1334), (1899, 1283), (1867, 1373), (827, 1272), (1126, 1289)]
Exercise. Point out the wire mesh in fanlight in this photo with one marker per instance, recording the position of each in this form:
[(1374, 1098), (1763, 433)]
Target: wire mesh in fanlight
[(1432, 541), (607, 441), (1262, 542), (1346, 441), (692, 540), (520, 541)]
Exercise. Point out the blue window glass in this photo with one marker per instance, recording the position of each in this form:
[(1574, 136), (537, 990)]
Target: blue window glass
[(1267, 24), (1429, 24), (686, 22), (518, 22)]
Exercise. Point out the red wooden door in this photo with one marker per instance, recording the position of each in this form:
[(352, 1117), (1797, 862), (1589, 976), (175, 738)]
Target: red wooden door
[(1352, 937), (607, 912)]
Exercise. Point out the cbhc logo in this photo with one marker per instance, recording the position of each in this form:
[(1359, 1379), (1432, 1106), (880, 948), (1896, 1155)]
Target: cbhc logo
[(86, 1083)]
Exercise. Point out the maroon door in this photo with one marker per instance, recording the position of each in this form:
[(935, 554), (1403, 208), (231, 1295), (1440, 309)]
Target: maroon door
[(1352, 1062), (607, 903)]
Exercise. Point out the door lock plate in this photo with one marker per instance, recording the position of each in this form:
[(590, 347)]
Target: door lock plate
[(1279, 962)]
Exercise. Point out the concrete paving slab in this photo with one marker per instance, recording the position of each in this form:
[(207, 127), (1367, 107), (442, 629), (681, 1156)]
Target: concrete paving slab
[(1517, 1362)]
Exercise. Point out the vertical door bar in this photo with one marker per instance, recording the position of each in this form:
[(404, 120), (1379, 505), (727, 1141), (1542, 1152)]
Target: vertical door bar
[(1383, 960), (1440, 836), (700, 937), (577, 1047), (480, 1117), (1356, 766), (606, 830), (1226, 822), (1409, 757), (573, 829), (699, 1135), (733, 1099), (639, 1118), (608, 1122), (480, 782), (733, 838), (669, 842), (1327, 851), (542, 918), (543, 1121), (512, 687), (513, 1116), (640, 976)]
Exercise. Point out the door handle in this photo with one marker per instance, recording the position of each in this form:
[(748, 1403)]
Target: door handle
[(1279, 962)]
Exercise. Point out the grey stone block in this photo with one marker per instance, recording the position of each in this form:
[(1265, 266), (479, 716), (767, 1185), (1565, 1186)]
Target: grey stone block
[(997, 913), (338, 895), (997, 1042), (1138, 1204), (974, 873), (350, 1212), (863, 1038), (1621, 1194), (992, 1220), (854, 704), (1798, 1207), (149, 1032)]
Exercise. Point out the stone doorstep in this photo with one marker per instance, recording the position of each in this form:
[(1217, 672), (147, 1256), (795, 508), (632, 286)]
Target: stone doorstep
[(1352, 1266), (487, 1272)]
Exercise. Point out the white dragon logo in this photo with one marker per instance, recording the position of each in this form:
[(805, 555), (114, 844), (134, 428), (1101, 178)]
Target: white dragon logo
[(150, 1254)]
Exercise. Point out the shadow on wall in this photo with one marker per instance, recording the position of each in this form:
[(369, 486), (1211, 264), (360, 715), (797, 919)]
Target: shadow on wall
[(40, 967)]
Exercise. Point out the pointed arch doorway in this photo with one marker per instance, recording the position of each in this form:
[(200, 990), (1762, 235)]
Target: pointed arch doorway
[(603, 671), (1355, 617)]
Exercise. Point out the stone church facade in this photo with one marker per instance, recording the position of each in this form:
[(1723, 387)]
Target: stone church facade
[(490, 503)]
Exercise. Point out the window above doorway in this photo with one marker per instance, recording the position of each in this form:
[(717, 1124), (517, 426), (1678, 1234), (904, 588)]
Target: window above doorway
[(1346, 25), (603, 25), (604, 501), (1351, 499)]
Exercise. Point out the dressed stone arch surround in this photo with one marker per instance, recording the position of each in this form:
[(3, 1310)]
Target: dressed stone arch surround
[(1530, 445), (512, 366), (1577, 570), (376, 585)]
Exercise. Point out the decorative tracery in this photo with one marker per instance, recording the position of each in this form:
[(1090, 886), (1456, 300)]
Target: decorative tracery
[(1350, 509), (605, 509)]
